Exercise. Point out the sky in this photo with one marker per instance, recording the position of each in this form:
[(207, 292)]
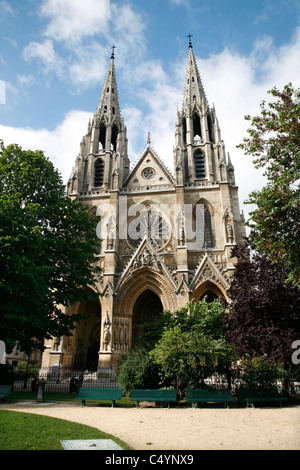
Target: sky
[(54, 55)]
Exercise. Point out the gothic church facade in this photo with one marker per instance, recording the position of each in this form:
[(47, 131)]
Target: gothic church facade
[(164, 239)]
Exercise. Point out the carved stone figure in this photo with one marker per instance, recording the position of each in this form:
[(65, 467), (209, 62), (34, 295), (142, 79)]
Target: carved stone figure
[(106, 332), (229, 231)]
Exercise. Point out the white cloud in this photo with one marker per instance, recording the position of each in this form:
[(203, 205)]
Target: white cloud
[(61, 145), (26, 80), (136, 133), (79, 36), (6, 9), (128, 31), (2, 92), (11, 41), (88, 67), (71, 20), (283, 64), (51, 62)]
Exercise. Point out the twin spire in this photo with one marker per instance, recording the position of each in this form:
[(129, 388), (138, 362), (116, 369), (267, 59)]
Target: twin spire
[(109, 101), (193, 92), (199, 153)]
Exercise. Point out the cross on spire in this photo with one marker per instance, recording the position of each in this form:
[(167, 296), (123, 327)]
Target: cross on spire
[(113, 52), (190, 42)]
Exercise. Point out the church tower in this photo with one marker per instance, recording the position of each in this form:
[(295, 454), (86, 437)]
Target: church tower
[(199, 150), (164, 239), (103, 160)]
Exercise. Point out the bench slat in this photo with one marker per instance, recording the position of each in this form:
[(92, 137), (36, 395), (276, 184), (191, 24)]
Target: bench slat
[(139, 395), (252, 396), (99, 394), (5, 391), (204, 396)]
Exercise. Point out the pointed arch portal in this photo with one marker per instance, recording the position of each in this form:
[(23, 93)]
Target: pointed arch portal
[(210, 296), (87, 336), (147, 309), (209, 289)]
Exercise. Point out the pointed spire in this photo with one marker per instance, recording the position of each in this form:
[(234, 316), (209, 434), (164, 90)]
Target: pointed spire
[(194, 93), (109, 101)]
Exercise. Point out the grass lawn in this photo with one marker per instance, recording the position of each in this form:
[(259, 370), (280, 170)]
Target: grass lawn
[(48, 396), (54, 396), (26, 431)]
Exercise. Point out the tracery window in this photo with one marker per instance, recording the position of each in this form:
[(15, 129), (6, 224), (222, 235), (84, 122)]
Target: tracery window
[(150, 223), (203, 227)]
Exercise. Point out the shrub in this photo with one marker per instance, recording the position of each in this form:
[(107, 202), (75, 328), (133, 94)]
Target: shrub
[(257, 372), (137, 370)]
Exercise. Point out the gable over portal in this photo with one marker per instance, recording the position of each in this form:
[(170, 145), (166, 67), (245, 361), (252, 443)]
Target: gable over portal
[(149, 171)]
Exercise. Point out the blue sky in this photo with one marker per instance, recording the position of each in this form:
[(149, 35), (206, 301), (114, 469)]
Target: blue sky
[(54, 55)]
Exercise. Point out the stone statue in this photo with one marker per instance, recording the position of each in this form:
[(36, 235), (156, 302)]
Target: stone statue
[(229, 231), (56, 343), (106, 333), (181, 229)]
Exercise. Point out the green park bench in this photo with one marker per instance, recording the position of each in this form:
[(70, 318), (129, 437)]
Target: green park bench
[(209, 396), (4, 391), (251, 396), (112, 394), (156, 396)]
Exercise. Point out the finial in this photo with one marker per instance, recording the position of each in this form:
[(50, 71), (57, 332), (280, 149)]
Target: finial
[(148, 138), (190, 42), (113, 52)]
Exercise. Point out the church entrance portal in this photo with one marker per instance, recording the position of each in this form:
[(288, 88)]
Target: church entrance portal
[(147, 309), (88, 336), (210, 296), (93, 353)]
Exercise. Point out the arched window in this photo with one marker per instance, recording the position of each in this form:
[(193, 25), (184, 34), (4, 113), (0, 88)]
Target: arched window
[(102, 135), (99, 172), (199, 165), (210, 129), (197, 125), (184, 131), (208, 235), (204, 226), (114, 137)]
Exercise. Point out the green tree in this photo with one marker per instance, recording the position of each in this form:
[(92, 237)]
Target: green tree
[(274, 144), (46, 250), (206, 316), (137, 370), (193, 346), (257, 372)]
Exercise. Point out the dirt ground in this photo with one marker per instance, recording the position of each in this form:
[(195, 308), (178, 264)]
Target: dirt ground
[(151, 428)]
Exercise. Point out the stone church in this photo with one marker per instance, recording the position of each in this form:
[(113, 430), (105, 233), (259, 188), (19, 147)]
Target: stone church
[(164, 238)]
